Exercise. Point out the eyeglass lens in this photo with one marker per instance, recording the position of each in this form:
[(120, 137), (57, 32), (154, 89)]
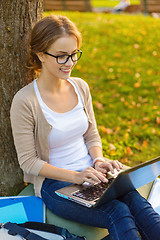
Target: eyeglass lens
[(63, 59)]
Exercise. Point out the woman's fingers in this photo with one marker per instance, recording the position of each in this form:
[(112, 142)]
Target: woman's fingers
[(106, 165), (110, 166), (117, 165), (97, 177), (93, 176)]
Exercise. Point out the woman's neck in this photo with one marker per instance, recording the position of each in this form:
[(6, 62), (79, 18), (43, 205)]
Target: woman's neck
[(48, 83)]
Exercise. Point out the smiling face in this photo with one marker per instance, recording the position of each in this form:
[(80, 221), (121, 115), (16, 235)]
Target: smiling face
[(62, 46)]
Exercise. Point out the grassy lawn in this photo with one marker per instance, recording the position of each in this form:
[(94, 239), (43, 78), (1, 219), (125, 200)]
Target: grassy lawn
[(120, 62), (110, 3)]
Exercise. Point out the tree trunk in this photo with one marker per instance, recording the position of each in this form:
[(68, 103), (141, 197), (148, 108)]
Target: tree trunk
[(17, 17)]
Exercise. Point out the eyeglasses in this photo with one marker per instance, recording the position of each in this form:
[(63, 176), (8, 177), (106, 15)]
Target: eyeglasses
[(62, 59)]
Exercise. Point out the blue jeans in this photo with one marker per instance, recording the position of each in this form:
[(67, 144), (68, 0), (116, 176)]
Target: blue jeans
[(123, 217)]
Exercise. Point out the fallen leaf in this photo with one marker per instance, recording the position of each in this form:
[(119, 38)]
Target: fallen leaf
[(137, 84), (128, 130), (158, 90), (153, 130), (144, 126), (146, 119), (154, 53), (129, 151), (136, 46), (122, 99), (126, 136), (112, 147), (110, 70), (145, 143), (126, 103), (137, 75), (138, 105), (117, 128), (112, 152), (158, 120), (124, 160), (106, 130), (99, 105)]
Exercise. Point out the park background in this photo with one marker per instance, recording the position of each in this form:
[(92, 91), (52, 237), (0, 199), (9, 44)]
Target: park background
[(120, 62)]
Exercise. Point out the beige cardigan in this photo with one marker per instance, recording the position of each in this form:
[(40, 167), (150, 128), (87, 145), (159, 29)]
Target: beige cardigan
[(31, 130)]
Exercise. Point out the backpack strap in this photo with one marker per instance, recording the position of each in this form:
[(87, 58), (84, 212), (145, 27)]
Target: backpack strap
[(45, 227), (27, 235), (14, 229), (52, 229)]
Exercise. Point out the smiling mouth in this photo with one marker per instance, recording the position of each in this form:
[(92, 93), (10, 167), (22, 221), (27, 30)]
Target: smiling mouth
[(66, 70)]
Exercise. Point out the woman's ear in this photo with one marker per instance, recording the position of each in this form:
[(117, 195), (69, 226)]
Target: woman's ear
[(41, 56)]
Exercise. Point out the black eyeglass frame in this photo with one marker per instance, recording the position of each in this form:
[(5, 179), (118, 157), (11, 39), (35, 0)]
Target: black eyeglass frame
[(69, 56)]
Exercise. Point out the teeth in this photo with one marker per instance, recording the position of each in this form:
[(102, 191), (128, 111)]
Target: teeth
[(68, 70)]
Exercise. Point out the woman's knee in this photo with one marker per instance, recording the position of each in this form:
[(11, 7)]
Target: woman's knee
[(135, 201), (118, 209), (120, 221), (132, 196)]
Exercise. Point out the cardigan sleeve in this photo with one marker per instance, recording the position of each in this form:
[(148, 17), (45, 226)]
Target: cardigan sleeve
[(92, 137), (22, 123)]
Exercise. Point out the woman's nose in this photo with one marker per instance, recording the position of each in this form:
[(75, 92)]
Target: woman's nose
[(69, 62)]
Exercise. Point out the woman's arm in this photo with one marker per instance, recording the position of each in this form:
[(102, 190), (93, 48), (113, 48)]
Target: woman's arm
[(23, 130), (90, 174), (49, 171)]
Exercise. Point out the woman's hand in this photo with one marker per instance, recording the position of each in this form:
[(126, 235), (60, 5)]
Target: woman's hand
[(108, 165), (90, 175)]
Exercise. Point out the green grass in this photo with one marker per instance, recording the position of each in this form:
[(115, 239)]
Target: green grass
[(110, 3), (120, 62)]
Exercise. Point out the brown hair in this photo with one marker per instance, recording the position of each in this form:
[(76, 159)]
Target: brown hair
[(46, 32)]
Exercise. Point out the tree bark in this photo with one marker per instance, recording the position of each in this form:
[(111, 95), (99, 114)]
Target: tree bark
[(17, 17)]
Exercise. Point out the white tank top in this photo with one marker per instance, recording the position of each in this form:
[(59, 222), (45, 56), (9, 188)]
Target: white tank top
[(66, 142)]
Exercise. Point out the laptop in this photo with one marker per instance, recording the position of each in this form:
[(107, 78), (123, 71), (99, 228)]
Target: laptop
[(117, 186)]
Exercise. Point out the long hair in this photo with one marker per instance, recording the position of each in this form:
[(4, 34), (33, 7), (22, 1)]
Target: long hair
[(46, 32)]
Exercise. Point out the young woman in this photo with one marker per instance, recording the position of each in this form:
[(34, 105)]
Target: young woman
[(57, 140)]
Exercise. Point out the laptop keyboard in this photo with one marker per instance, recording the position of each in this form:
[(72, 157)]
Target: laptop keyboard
[(94, 191)]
